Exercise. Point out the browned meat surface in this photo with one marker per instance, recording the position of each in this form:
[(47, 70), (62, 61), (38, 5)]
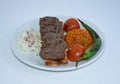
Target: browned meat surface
[(52, 36)]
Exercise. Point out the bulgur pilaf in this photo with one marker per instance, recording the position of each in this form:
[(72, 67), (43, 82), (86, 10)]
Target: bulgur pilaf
[(79, 36)]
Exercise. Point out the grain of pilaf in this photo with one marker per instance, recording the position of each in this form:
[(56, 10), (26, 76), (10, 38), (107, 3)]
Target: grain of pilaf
[(79, 36)]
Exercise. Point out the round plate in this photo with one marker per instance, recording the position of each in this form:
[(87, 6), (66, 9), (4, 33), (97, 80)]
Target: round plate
[(36, 62)]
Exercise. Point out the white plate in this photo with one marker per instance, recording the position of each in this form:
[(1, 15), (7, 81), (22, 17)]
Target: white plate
[(36, 62)]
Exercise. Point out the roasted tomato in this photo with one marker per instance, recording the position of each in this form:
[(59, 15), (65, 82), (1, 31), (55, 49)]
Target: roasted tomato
[(75, 52), (71, 24)]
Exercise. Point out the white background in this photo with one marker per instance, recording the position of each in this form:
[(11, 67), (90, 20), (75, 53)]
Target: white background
[(103, 13)]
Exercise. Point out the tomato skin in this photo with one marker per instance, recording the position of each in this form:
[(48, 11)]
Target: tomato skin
[(71, 24), (75, 52)]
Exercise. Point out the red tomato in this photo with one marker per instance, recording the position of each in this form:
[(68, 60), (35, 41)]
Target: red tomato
[(71, 24), (75, 52)]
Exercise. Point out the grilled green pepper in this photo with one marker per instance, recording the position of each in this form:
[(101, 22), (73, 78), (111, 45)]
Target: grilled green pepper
[(96, 43)]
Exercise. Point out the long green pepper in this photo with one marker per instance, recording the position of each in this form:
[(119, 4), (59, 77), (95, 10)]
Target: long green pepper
[(94, 48)]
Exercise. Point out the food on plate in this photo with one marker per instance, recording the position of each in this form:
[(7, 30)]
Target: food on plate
[(29, 42), (52, 62), (52, 36), (79, 36), (58, 42), (71, 24), (75, 52), (96, 43)]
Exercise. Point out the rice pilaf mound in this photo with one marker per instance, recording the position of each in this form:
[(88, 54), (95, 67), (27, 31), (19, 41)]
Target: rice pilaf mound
[(79, 36)]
